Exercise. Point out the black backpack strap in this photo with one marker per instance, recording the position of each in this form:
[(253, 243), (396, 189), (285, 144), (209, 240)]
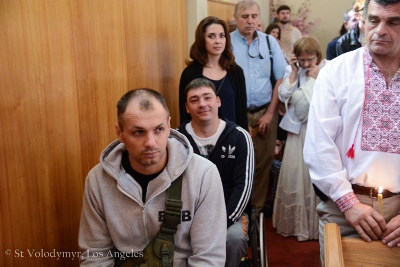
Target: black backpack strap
[(272, 76), (172, 217), (173, 206), (269, 47)]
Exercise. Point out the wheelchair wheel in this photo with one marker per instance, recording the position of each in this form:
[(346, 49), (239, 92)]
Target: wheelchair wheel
[(258, 244), (262, 243)]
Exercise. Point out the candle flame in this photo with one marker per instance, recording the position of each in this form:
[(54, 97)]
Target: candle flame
[(380, 190)]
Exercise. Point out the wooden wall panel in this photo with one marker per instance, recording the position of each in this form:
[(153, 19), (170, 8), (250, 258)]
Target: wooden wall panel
[(160, 51), (101, 74), (222, 10), (63, 66)]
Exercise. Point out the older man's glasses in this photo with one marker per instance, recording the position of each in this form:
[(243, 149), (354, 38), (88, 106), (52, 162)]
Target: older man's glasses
[(253, 52)]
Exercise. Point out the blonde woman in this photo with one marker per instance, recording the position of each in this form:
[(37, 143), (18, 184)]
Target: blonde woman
[(295, 203)]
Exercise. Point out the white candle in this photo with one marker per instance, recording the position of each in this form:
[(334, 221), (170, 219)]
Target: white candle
[(380, 197)]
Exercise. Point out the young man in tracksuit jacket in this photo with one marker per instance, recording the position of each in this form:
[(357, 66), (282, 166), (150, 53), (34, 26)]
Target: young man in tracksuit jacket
[(230, 148), (125, 194)]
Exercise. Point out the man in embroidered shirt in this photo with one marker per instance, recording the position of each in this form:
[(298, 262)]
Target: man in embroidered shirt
[(352, 144), (230, 148), (289, 33), (251, 52)]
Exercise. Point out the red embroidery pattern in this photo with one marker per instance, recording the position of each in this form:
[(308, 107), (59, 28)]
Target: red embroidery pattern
[(347, 201), (381, 113)]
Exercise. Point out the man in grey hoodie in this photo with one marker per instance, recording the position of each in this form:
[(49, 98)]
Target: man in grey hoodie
[(125, 194)]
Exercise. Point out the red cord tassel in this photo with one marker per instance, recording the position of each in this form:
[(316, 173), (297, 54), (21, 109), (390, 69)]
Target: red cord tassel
[(350, 152)]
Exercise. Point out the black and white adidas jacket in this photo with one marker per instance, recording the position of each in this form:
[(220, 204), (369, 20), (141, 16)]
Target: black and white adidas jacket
[(233, 155)]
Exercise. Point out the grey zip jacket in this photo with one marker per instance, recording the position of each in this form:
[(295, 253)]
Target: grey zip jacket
[(115, 217)]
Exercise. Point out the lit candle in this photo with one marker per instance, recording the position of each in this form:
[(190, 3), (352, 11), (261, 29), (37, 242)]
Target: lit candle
[(380, 197)]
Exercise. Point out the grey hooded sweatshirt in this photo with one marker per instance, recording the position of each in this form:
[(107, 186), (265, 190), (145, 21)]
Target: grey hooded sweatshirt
[(115, 217)]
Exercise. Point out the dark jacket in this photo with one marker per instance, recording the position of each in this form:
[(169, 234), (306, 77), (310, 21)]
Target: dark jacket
[(349, 41), (237, 80), (233, 155), (331, 49)]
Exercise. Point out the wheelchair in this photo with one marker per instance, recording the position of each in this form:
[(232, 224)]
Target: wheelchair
[(257, 252)]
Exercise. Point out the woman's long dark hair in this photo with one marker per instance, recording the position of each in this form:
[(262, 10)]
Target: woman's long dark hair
[(198, 52), (271, 27)]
